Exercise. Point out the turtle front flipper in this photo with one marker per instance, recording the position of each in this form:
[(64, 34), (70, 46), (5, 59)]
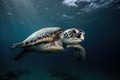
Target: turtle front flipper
[(79, 51), (21, 54)]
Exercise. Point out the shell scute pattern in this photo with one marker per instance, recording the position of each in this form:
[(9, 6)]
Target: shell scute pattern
[(37, 37)]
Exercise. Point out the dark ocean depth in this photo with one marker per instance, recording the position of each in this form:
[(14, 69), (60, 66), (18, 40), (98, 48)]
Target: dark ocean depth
[(100, 19)]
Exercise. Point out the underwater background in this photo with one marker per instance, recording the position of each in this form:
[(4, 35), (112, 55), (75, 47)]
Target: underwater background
[(100, 19)]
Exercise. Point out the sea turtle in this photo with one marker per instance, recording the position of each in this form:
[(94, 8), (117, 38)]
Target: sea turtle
[(53, 39)]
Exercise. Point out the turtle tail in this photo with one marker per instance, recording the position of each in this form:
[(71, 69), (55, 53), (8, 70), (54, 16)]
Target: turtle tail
[(15, 45)]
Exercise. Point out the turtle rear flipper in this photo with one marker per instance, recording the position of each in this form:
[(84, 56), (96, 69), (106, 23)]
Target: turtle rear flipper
[(21, 54)]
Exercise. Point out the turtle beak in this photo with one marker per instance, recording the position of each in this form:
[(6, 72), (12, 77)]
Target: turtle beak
[(82, 36)]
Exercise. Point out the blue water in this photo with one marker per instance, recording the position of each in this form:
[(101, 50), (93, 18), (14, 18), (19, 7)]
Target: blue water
[(100, 19)]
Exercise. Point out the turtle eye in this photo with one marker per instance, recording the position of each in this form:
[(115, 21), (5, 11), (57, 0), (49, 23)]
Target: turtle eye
[(81, 31)]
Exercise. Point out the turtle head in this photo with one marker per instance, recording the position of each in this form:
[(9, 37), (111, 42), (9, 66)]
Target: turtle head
[(73, 36)]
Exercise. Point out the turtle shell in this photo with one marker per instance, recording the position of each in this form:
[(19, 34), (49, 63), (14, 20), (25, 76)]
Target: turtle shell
[(43, 35)]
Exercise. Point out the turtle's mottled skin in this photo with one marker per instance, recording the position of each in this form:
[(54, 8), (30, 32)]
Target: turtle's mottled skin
[(53, 39)]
